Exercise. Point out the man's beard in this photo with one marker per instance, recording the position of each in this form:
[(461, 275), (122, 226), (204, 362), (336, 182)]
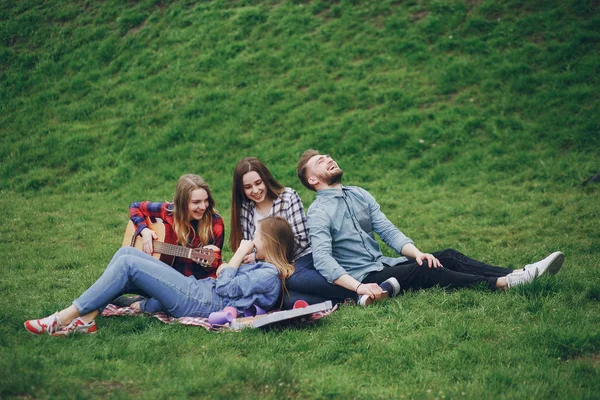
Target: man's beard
[(333, 178)]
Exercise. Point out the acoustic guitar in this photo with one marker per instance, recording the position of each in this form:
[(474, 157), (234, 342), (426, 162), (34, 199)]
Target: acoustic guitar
[(204, 257)]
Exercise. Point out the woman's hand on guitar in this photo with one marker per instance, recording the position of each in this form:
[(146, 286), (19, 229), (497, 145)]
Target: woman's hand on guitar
[(148, 236)]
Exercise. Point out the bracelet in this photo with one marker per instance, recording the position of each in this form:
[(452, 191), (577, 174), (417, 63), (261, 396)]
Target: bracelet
[(356, 290)]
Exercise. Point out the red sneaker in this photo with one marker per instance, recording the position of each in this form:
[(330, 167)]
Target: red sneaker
[(47, 325)]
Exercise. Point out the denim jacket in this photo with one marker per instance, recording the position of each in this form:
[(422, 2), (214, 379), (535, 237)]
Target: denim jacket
[(341, 224), (249, 284)]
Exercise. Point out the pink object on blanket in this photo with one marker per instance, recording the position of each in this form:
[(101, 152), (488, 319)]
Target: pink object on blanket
[(231, 310)]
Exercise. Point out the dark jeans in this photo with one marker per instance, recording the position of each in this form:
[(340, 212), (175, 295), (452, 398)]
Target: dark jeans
[(458, 271), (306, 283)]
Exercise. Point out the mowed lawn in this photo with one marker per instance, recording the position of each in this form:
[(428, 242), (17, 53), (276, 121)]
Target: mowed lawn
[(476, 125)]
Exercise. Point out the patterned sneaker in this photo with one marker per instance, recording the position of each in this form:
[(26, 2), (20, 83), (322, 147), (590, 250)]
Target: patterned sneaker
[(77, 325), (519, 278), (550, 264), (47, 325)]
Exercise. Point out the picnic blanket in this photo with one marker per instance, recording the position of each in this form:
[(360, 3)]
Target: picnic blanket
[(113, 311)]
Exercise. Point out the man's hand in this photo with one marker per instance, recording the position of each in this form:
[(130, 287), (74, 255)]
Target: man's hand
[(431, 260), (373, 290), (410, 250)]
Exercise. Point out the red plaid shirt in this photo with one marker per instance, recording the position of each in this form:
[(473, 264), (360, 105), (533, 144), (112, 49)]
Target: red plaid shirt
[(141, 211)]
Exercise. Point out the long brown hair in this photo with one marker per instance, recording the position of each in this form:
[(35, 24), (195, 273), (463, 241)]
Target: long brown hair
[(274, 190), (181, 214), (279, 244)]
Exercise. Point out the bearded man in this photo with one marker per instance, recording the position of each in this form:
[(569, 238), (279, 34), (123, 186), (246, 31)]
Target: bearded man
[(342, 222)]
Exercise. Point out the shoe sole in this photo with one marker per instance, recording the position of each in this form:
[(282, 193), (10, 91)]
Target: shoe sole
[(29, 328), (366, 301), (395, 284), (127, 301), (556, 262), (91, 331)]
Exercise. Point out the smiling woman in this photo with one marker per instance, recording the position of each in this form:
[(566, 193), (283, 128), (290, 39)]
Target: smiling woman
[(191, 220)]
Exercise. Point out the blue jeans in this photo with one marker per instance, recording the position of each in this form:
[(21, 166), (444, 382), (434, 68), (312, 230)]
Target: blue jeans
[(306, 283), (132, 270)]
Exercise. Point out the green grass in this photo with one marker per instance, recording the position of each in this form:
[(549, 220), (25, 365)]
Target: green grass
[(472, 122)]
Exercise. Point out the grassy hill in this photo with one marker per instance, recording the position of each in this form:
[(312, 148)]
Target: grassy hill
[(472, 122)]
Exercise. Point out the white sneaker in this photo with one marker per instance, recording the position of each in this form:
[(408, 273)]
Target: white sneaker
[(519, 278), (550, 264)]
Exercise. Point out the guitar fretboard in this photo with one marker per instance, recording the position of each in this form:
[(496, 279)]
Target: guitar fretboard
[(172, 250)]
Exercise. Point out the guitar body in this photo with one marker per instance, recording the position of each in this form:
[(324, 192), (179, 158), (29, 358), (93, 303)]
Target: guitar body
[(131, 239), (166, 251)]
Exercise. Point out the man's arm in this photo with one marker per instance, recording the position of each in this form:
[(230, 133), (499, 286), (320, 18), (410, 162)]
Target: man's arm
[(392, 236), (318, 223), (320, 236), (387, 231)]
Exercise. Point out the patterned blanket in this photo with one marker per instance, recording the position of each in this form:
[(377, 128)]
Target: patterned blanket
[(113, 311)]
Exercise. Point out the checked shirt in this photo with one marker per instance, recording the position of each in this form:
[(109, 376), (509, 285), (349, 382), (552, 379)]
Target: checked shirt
[(289, 206)]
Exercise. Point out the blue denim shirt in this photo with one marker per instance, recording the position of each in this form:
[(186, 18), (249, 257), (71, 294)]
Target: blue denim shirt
[(341, 225), (249, 284)]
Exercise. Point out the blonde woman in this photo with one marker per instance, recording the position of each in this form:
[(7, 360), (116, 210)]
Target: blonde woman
[(237, 285), (190, 220)]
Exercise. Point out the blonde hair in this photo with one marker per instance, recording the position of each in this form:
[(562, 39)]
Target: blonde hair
[(181, 214), (279, 244)]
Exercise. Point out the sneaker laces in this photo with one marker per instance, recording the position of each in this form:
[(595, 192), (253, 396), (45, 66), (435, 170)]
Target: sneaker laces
[(50, 324), (70, 327), (519, 278)]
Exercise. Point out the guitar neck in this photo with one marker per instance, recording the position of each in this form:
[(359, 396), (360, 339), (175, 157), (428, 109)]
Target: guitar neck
[(172, 249)]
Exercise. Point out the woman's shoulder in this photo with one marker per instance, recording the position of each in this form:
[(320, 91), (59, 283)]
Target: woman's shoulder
[(217, 220), (289, 193), (154, 208), (259, 265)]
